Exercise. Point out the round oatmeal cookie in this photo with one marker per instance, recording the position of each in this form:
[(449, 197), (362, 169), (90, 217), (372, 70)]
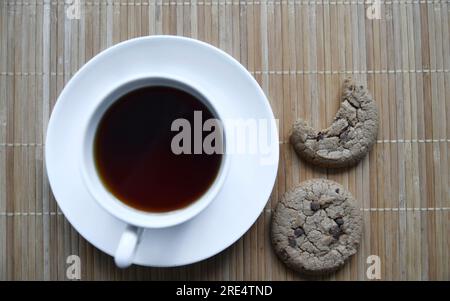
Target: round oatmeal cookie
[(350, 136), (316, 227)]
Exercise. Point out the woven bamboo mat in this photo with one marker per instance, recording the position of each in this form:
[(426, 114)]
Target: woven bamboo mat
[(300, 52)]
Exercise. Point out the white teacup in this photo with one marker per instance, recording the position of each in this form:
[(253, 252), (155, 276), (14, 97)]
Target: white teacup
[(138, 220)]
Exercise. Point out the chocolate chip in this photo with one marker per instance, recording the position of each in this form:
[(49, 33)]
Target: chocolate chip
[(299, 232), (319, 136), (337, 190), (291, 241), (335, 231), (315, 206), (339, 221)]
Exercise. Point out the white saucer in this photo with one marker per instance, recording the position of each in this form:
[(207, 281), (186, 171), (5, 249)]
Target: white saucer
[(246, 188)]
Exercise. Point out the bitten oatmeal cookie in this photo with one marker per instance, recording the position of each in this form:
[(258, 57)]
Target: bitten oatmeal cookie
[(350, 136), (316, 227)]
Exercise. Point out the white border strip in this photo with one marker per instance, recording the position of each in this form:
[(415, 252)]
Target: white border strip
[(405, 209), (9, 214), (241, 3), (403, 141), (414, 141), (393, 209), (281, 142), (270, 72), (293, 72), (21, 144)]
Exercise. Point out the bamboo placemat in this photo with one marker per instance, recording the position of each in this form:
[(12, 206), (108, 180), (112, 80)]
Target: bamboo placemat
[(299, 52)]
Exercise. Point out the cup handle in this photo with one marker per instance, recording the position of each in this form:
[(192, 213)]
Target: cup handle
[(127, 246)]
